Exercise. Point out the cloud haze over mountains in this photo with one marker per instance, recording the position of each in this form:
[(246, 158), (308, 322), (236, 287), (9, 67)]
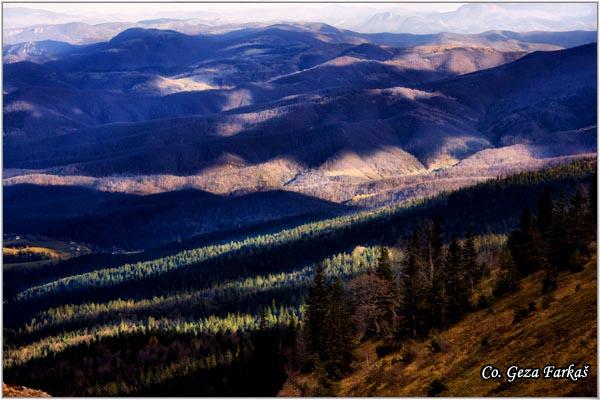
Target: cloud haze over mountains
[(406, 18)]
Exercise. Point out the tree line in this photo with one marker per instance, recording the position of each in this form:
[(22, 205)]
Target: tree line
[(553, 240), (436, 282)]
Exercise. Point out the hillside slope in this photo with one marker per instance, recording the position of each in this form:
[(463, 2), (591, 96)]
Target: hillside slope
[(520, 102), (140, 222), (21, 391), (561, 334), (533, 99)]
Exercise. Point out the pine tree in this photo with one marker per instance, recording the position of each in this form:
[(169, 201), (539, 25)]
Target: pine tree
[(384, 265), (387, 299), (472, 268), (458, 291), (437, 242), (545, 212), (316, 310), (578, 220), (509, 275), (561, 248), (593, 217), (437, 299), (411, 305), (526, 245), (339, 343), (434, 248), (545, 224)]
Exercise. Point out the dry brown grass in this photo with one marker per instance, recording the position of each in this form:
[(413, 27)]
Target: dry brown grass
[(21, 391), (561, 334), (33, 249)]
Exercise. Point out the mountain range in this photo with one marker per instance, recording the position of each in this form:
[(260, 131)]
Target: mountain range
[(23, 24), (477, 17), (351, 119)]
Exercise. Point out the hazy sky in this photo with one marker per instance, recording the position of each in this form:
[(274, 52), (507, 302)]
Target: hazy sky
[(523, 16), (133, 10)]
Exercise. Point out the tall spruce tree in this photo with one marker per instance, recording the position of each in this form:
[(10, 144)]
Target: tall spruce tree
[(316, 314), (545, 223), (594, 205), (411, 304), (387, 299), (545, 212), (526, 245), (508, 281), (578, 220), (458, 291), (384, 265), (339, 343), (579, 229), (433, 252), (561, 247), (473, 270), (436, 306)]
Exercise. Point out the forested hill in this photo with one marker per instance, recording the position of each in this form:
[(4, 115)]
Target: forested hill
[(526, 327), (528, 303), (223, 319), (491, 207)]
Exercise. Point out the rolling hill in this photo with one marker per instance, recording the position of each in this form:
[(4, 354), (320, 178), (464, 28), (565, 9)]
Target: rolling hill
[(327, 115), (439, 122)]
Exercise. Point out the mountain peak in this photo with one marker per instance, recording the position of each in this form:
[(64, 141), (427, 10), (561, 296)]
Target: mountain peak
[(145, 34)]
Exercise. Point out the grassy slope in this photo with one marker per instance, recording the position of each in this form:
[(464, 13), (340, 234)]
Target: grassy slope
[(44, 251), (563, 333), (21, 391), (56, 249)]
